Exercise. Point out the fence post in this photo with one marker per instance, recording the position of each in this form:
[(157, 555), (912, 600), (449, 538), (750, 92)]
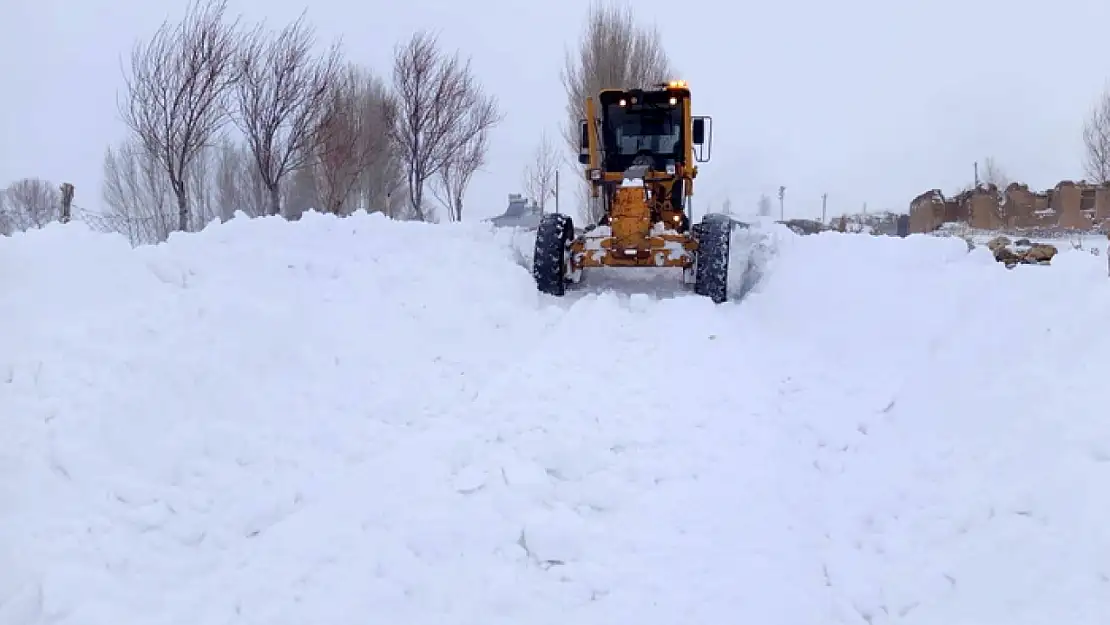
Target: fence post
[(67, 201)]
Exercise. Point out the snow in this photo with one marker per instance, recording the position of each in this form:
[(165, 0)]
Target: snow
[(355, 420)]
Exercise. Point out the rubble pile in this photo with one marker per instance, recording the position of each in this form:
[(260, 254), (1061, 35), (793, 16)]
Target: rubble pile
[(1021, 252)]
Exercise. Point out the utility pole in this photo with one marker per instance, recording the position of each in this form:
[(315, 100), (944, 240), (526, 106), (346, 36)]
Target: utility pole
[(824, 204), (977, 174), (782, 205)]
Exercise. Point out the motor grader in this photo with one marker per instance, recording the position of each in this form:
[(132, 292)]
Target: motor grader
[(639, 148)]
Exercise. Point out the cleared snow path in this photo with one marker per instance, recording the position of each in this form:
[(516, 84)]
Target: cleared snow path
[(352, 421)]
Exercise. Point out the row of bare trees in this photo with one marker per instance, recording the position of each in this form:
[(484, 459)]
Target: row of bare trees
[(225, 117)]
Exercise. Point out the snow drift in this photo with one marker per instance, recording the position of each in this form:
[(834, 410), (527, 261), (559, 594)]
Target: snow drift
[(355, 420)]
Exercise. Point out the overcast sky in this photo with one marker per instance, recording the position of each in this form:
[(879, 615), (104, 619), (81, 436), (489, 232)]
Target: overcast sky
[(869, 100)]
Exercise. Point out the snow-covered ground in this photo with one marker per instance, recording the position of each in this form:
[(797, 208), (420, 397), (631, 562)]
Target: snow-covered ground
[(359, 421)]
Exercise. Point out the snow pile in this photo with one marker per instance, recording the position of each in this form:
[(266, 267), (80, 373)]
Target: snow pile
[(350, 421)]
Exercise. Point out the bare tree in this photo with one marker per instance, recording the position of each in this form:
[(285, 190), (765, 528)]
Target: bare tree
[(29, 203), (201, 180), (442, 108), (338, 153), (139, 200), (177, 91), (613, 52), (280, 94), (352, 136), (238, 181), (382, 182), (382, 186), (300, 193), (539, 177), (450, 183), (137, 195), (1096, 141)]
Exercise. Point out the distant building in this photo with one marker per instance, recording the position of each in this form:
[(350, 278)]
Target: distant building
[(520, 214), (1068, 206)]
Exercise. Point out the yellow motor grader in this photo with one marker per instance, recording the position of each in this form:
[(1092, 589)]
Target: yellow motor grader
[(638, 147)]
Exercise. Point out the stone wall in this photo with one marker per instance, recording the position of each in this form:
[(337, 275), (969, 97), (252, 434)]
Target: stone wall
[(1067, 206)]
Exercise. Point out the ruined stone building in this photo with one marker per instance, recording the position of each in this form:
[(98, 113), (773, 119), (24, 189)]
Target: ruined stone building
[(1067, 206)]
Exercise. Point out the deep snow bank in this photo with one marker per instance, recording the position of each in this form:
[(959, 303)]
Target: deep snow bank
[(951, 412), (357, 420)]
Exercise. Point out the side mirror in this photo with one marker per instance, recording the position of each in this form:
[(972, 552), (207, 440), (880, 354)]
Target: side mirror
[(584, 159), (584, 139), (703, 138)]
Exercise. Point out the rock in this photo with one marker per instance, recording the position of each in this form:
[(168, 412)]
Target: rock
[(1005, 255), (1040, 252), (998, 242)]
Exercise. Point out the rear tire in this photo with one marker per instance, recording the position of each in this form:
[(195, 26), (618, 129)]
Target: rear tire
[(714, 235), (549, 261)]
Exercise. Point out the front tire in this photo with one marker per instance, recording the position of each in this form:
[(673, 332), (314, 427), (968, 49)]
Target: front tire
[(714, 235), (549, 261)]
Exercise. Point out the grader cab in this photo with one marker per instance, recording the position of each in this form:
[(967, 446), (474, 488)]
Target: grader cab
[(640, 149)]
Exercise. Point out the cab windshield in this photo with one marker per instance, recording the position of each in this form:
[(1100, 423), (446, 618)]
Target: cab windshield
[(651, 127)]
